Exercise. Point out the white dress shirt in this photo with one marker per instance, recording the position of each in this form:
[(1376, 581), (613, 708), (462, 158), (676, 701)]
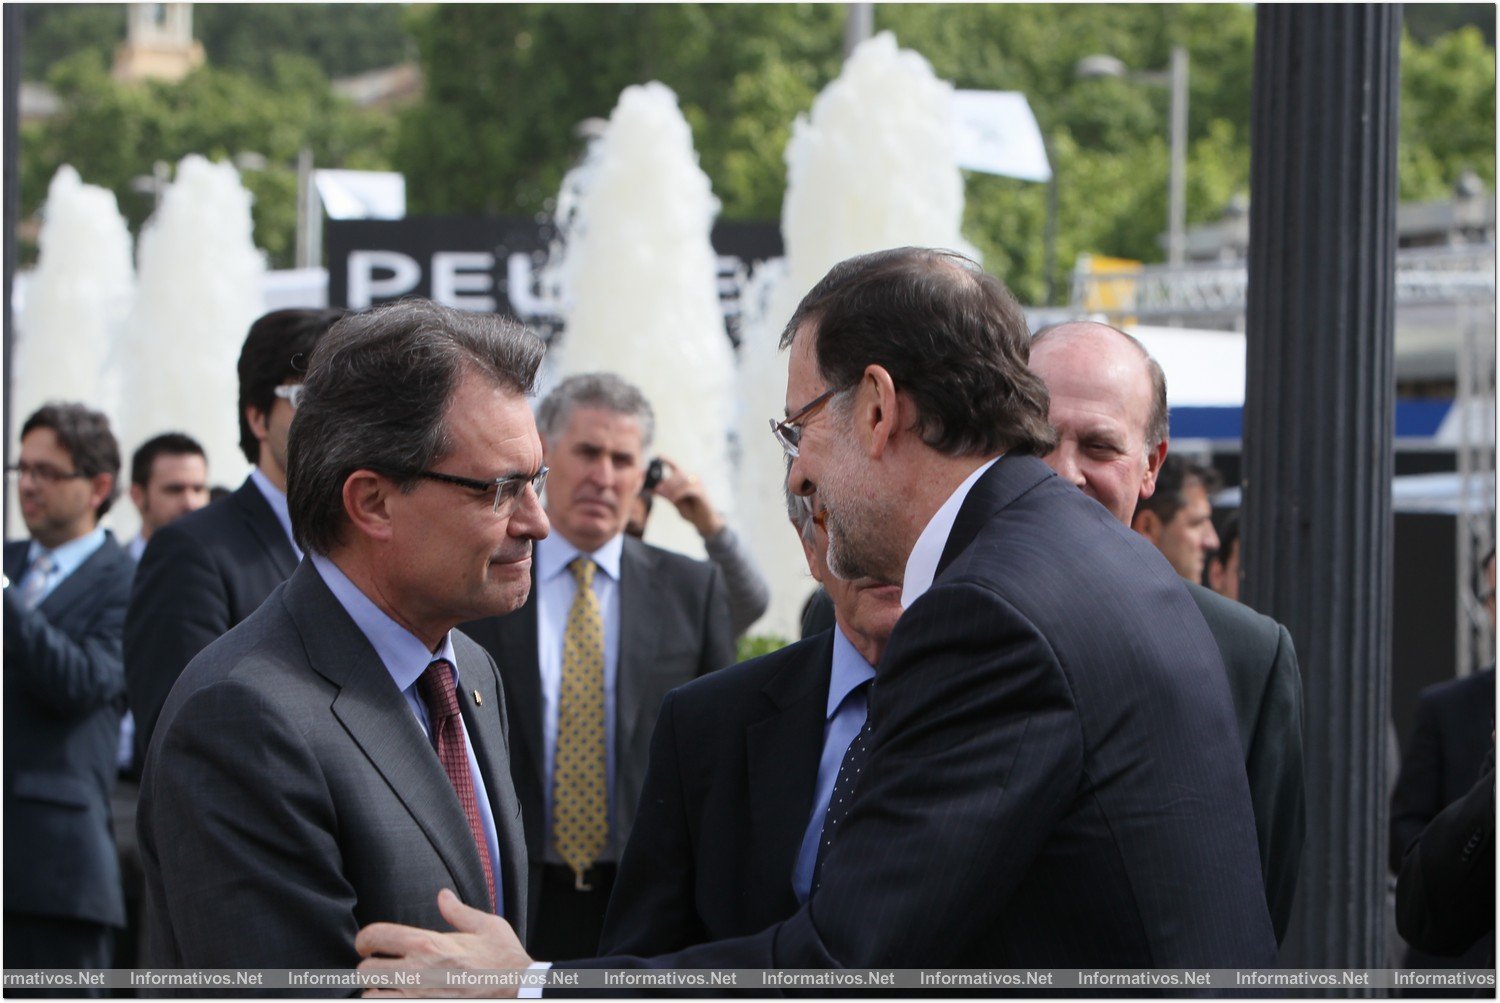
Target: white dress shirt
[(921, 565)]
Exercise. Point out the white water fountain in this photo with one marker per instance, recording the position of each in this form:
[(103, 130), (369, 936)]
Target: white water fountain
[(871, 167), (636, 276), (75, 301), (200, 278)]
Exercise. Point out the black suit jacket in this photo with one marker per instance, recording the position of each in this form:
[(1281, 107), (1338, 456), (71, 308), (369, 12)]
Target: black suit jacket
[(290, 796), (1445, 895), (200, 575), (1054, 778), (674, 627), (64, 694), (1266, 687), (727, 799)]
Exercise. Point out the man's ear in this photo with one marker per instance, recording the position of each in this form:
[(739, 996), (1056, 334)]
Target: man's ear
[(367, 502), (256, 419), (1154, 461), (100, 485), (1147, 523), (138, 497), (879, 408)]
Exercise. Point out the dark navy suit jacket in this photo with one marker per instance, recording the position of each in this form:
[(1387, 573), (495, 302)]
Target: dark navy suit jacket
[(1055, 776), (200, 575), (64, 695)]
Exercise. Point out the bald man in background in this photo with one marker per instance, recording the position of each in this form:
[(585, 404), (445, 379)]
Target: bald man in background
[(1109, 406)]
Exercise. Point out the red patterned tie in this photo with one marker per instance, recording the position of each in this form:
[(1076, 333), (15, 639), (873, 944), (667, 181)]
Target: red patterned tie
[(436, 688)]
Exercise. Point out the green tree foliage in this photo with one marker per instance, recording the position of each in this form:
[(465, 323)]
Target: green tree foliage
[(1447, 113), (343, 39), (112, 132)]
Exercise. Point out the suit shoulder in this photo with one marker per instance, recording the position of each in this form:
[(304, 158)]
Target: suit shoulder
[(204, 525), (1233, 623), (745, 679), (1459, 694)]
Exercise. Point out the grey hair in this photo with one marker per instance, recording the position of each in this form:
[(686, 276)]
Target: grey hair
[(376, 397), (605, 391), (1158, 422)]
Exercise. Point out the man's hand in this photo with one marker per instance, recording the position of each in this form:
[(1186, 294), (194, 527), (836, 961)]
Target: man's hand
[(685, 491), (482, 941)]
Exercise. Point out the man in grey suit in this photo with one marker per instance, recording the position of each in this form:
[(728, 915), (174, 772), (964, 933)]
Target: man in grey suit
[(342, 755), (1109, 406), (584, 718)]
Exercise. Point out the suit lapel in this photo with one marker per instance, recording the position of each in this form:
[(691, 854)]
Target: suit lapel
[(256, 511), (1010, 477), (638, 587), (379, 720), (15, 560), (782, 753), (482, 722), (74, 587)]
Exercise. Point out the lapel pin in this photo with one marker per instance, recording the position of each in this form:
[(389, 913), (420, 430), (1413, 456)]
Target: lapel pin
[(478, 700)]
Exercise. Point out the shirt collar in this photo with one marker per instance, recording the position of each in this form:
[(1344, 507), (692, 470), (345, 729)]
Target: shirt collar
[(70, 555), (850, 671), (404, 657), (921, 566), (276, 498), (554, 553)]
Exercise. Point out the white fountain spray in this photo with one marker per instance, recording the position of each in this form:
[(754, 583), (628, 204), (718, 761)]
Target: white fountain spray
[(636, 275), (200, 289), (872, 167), (76, 300)]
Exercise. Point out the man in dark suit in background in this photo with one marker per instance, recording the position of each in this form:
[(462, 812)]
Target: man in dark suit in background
[(742, 771), (209, 570), (585, 671), (1443, 759), (341, 755), (1048, 776), (65, 601), (1108, 402)]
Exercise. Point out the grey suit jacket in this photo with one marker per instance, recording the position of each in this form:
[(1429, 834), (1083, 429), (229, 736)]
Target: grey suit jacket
[(1266, 686), (674, 627), (290, 796), (64, 693)]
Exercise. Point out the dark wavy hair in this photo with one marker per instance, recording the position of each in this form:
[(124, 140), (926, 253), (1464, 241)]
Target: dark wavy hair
[(950, 336), (276, 349)]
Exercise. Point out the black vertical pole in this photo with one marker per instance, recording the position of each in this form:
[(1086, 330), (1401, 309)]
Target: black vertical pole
[(12, 196), (1319, 410)]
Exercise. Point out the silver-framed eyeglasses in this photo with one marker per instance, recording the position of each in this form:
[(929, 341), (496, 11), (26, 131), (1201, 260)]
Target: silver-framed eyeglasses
[(291, 393), (788, 431), (507, 489)]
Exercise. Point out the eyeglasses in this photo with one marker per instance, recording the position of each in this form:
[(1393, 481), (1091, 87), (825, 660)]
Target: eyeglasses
[(788, 431), (291, 393), (507, 489), (44, 472)]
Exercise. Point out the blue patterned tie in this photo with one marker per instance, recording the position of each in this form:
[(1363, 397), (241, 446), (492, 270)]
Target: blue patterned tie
[(850, 769)]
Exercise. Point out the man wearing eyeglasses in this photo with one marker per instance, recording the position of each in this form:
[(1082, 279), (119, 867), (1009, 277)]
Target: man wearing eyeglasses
[(65, 597), (205, 572), (614, 623), (342, 754), (1048, 777)]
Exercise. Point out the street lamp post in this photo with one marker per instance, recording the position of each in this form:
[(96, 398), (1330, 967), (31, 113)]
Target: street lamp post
[(1175, 79)]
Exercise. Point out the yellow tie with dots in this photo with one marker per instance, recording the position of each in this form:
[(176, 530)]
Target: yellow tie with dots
[(580, 796)]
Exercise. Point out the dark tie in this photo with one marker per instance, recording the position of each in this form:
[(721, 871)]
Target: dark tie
[(436, 688), (843, 790)]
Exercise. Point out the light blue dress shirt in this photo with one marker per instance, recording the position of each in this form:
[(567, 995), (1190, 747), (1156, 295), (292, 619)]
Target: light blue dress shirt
[(848, 702), (276, 498), (69, 558), (406, 658), (554, 600)]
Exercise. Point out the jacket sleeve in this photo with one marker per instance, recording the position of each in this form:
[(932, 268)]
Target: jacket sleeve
[(178, 606), (1276, 791), (746, 588), (1445, 895), (718, 639), (1418, 796), (71, 672)]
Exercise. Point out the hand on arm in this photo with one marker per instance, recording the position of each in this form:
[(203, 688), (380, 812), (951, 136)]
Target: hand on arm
[(481, 941)]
